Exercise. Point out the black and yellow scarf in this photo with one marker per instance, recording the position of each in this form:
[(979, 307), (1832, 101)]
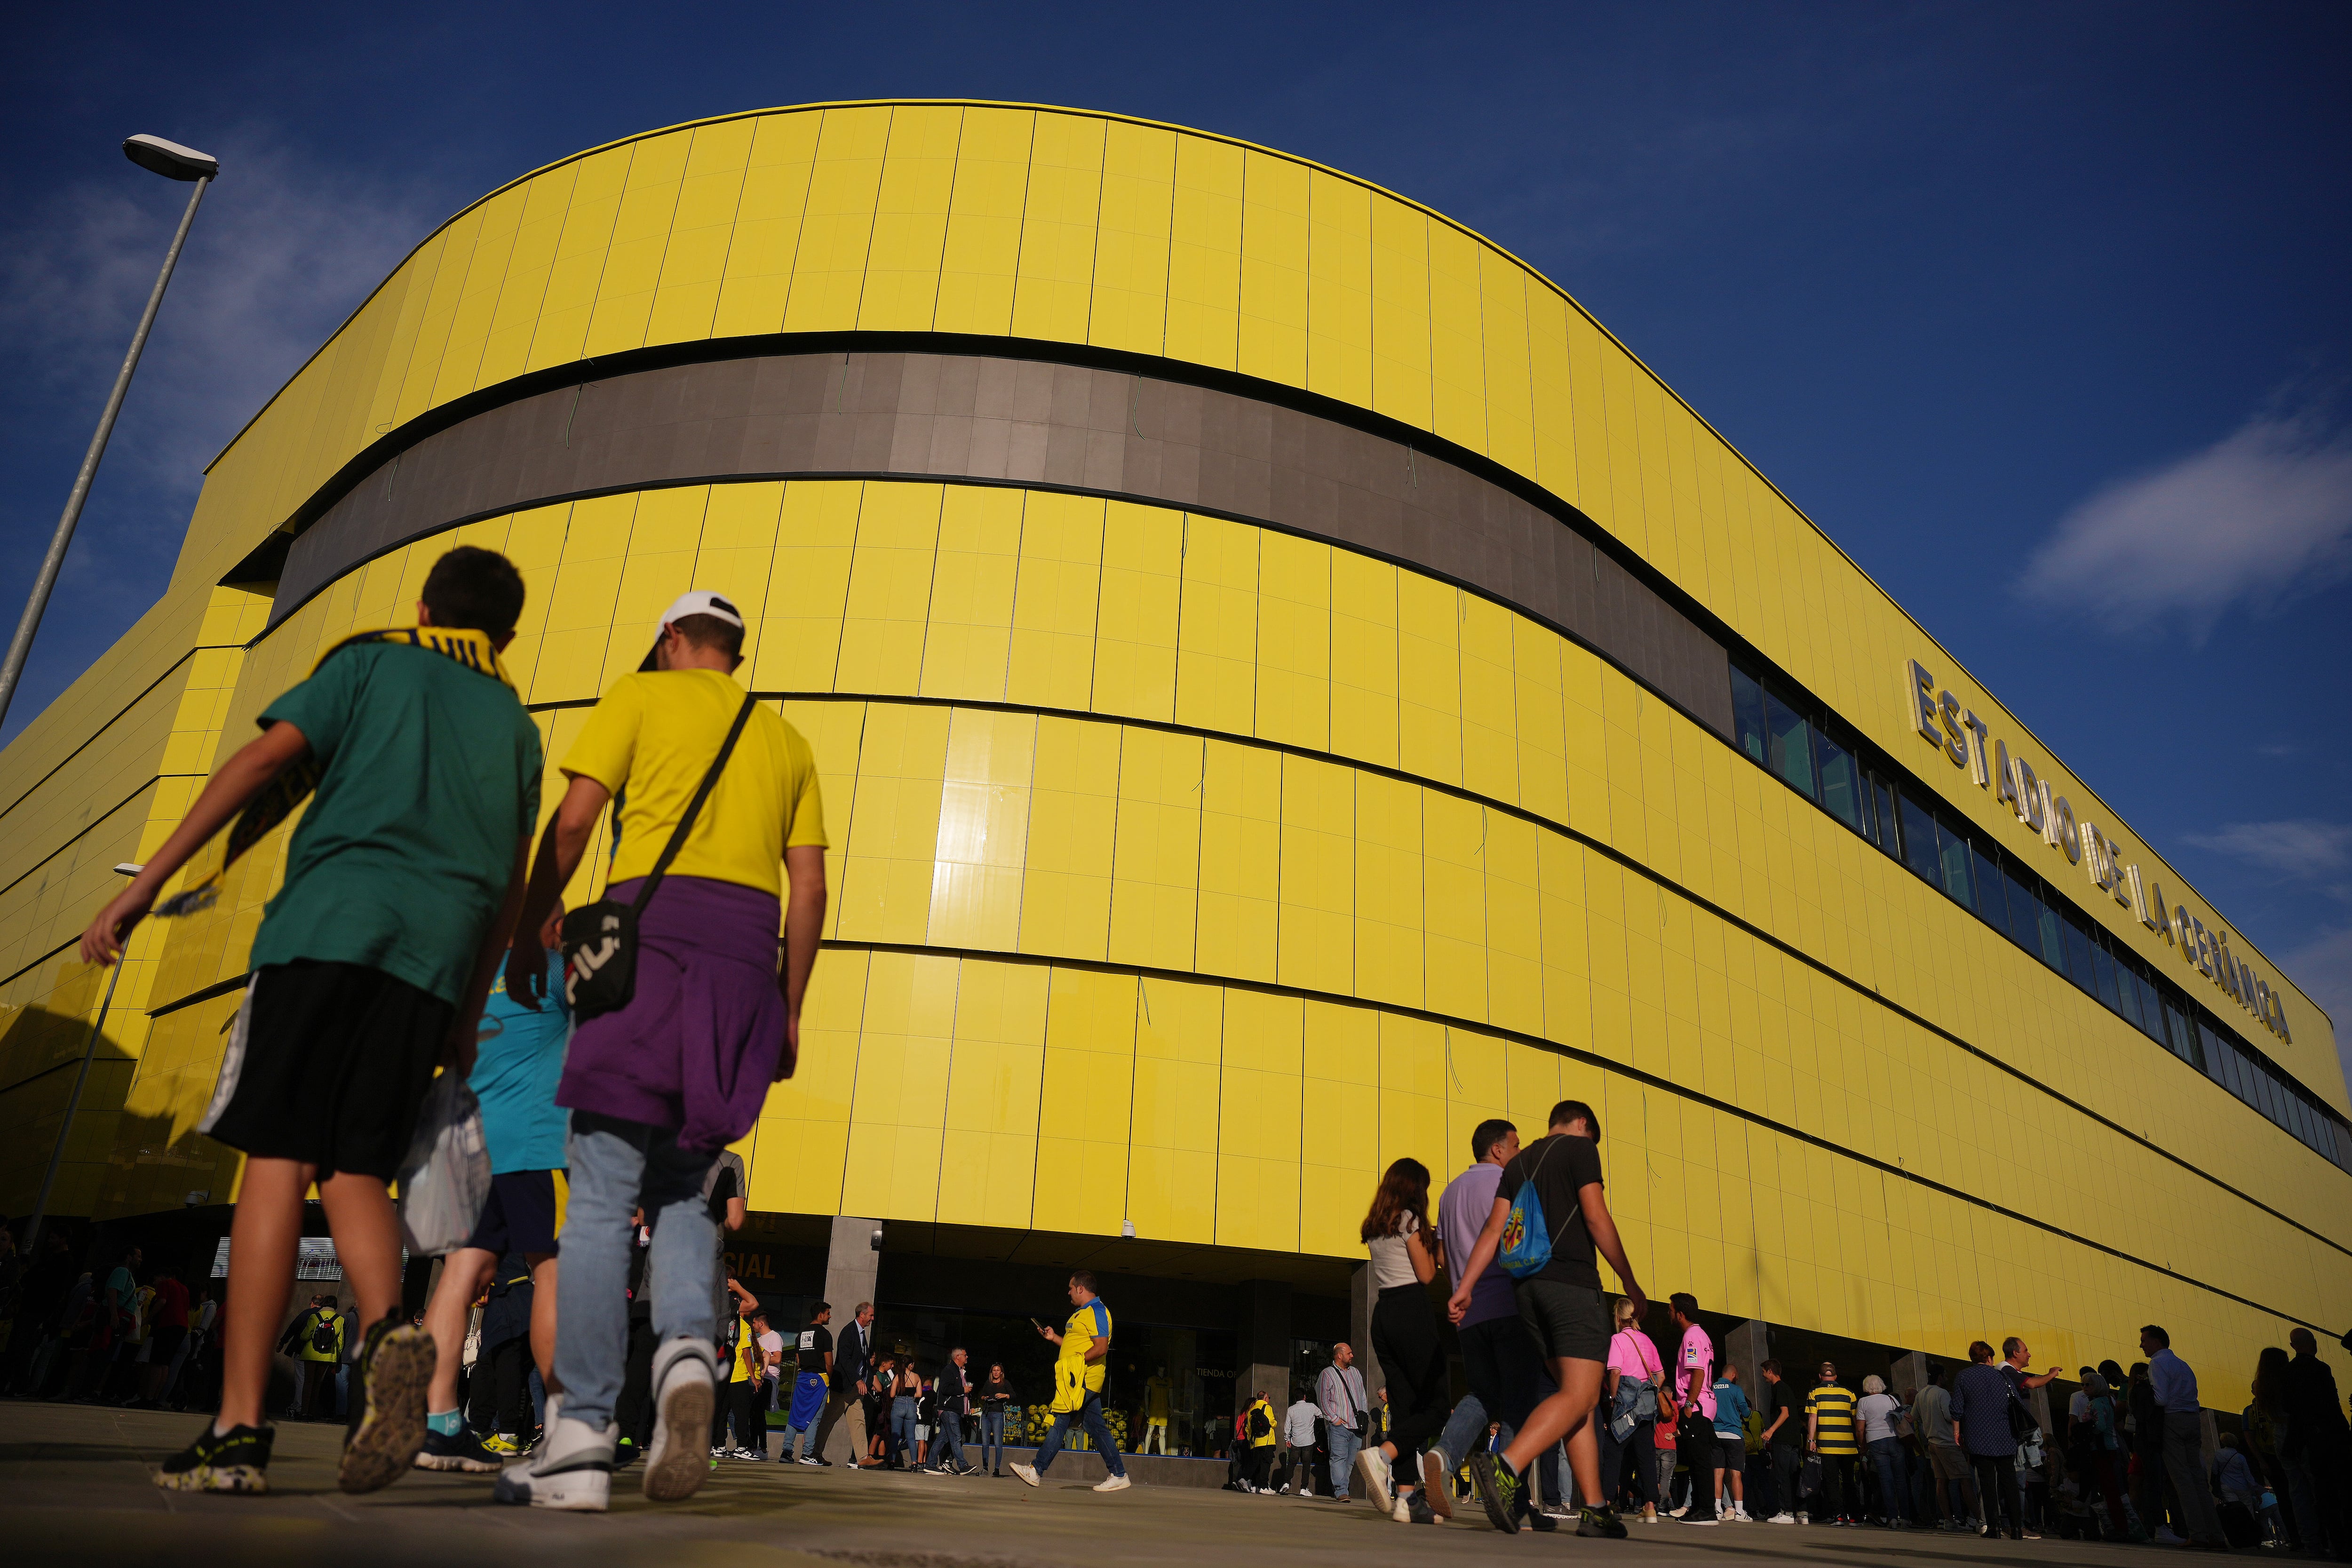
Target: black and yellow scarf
[(290, 788)]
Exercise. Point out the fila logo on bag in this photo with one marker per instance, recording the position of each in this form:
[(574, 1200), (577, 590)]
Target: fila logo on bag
[(590, 957)]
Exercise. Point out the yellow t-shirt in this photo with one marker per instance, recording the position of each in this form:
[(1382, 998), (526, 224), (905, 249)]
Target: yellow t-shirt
[(1074, 1378), (652, 739)]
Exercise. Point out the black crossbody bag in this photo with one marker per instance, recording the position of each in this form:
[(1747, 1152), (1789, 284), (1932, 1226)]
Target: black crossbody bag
[(600, 941)]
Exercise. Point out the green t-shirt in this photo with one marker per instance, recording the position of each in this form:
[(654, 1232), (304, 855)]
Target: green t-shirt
[(428, 776)]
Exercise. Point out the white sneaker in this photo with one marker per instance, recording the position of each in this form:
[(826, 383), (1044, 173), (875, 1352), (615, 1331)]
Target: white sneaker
[(1373, 1468), (1026, 1472), (1119, 1483), (572, 1468), (2164, 1537), (683, 1399), (1740, 1514), (1678, 1512), (1783, 1517)]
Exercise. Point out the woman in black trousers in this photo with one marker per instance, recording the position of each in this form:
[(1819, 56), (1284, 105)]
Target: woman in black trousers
[(1405, 1257)]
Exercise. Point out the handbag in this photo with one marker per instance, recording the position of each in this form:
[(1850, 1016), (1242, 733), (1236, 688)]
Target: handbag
[(600, 941)]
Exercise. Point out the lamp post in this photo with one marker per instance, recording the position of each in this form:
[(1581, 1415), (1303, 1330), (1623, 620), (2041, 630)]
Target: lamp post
[(173, 162), (73, 1101)]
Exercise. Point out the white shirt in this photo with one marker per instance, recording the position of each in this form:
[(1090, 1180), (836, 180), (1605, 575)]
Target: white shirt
[(1299, 1423), (1393, 1255)]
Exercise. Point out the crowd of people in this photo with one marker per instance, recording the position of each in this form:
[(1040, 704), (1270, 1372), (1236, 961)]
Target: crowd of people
[(615, 1051)]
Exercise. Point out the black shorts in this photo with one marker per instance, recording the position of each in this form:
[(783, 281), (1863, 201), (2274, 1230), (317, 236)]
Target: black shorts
[(327, 1065), (1571, 1322), (163, 1343), (522, 1214), (1732, 1455)]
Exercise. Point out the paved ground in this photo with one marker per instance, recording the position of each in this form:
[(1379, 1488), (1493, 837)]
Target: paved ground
[(74, 1488)]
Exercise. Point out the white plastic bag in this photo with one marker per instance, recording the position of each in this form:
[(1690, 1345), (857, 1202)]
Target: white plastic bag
[(446, 1179)]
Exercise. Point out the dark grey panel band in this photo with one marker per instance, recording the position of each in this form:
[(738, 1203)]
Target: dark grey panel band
[(972, 417)]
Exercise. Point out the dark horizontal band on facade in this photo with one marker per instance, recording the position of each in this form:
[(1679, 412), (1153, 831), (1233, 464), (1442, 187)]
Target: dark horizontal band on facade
[(1590, 1058), (1035, 423), (1610, 852)]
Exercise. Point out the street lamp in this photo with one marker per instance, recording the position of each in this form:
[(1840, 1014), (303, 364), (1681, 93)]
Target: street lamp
[(89, 1049), (173, 162)]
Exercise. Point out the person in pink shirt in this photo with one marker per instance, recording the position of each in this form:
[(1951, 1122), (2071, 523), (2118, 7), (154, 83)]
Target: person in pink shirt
[(1694, 1381), (1632, 1364)]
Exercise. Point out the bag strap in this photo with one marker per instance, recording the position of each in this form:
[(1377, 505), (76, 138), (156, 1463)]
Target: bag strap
[(694, 808)]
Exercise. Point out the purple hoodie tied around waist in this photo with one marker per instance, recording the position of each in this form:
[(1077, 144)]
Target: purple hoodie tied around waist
[(703, 1035)]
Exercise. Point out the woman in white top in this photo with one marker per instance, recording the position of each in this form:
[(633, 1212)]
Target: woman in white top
[(1877, 1412), (1405, 1257)]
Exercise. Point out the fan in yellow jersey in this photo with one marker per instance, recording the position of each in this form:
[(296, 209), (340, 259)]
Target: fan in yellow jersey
[(1078, 1374)]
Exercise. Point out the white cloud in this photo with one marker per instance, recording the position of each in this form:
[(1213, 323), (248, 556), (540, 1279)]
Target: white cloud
[(282, 250), (2303, 848), (2322, 967), (2261, 515)]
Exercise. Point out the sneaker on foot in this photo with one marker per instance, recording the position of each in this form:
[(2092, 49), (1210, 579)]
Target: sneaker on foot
[(1417, 1510), (683, 1397), (1500, 1491), (571, 1468), (458, 1451), (1678, 1512), (1373, 1467), (236, 1460), (1028, 1473), (386, 1428), (2164, 1537), (499, 1442), (1602, 1522), (1707, 1524), (1435, 1469), (1783, 1517), (1117, 1483)]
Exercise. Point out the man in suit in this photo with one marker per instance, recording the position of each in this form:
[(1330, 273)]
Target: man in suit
[(853, 1356)]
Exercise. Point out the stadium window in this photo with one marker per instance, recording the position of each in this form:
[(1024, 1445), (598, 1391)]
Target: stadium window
[(1952, 856), (1882, 794), (1919, 838), (1787, 744), (1839, 791), (1748, 713), (2077, 937), (1992, 900)]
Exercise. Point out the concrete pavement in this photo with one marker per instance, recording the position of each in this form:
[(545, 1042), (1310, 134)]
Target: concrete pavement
[(74, 1488)]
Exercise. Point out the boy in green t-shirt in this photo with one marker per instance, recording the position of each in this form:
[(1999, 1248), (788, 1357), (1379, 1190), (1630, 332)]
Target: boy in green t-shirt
[(369, 971)]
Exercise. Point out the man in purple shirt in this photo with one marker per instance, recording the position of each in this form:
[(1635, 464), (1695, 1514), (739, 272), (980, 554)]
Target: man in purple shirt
[(1499, 1360)]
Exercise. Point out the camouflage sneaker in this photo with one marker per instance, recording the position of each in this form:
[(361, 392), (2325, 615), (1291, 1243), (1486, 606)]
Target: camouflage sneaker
[(387, 1411), (236, 1460), (1501, 1492)]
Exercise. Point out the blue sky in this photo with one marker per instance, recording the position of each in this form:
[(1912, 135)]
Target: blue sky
[(2039, 310)]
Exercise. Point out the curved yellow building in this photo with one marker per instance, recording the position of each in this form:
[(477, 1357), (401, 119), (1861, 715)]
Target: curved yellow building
[(1289, 686)]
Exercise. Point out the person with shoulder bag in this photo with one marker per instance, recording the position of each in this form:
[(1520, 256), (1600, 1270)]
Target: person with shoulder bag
[(1634, 1379)]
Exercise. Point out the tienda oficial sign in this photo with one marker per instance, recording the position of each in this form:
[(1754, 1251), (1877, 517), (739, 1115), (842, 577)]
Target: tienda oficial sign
[(1967, 742)]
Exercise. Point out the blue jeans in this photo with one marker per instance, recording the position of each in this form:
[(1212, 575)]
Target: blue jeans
[(902, 1428), (992, 1439), (1886, 1458), (1090, 1418), (616, 1167), (947, 1441), (1344, 1443)]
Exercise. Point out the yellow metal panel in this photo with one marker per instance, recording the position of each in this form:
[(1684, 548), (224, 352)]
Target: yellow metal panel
[(1343, 1065), (1273, 334), (1260, 1122), (1454, 838), (1056, 284), (1490, 759), (1083, 1138), (1142, 588), (1400, 321), (888, 607), (1054, 605), (886, 883), (1552, 384), (1066, 897), (969, 647), (1412, 1092), (1130, 285), (1317, 940), (1205, 254), (664, 537), (1157, 859), (1171, 1188), (1339, 289), (983, 836), (768, 213), (1457, 346), (1363, 658), (424, 367), (899, 1099), (1293, 705), (797, 644), (838, 223), (1216, 647), (1429, 671), (984, 236), (1515, 981), (580, 606), (1503, 289), (486, 272), (685, 300), (989, 1152), (911, 220), (625, 293), (1241, 847)]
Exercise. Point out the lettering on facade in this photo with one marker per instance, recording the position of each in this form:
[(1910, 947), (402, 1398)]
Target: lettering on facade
[(1967, 741)]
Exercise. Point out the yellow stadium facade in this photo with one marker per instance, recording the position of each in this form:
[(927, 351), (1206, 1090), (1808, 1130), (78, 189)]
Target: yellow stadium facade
[(1289, 686)]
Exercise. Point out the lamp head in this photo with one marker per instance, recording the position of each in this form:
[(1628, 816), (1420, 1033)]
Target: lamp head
[(170, 159)]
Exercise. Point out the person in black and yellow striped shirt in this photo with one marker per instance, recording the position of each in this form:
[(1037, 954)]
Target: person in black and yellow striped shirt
[(1829, 1432)]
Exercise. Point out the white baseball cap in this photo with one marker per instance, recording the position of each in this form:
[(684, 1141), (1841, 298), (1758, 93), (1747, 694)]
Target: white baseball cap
[(700, 601)]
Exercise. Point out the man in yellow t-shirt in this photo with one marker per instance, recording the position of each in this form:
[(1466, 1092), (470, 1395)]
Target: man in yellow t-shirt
[(656, 1088), (1079, 1372)]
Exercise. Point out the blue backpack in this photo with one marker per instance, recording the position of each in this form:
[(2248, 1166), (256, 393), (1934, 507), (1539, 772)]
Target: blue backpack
[(1526, 1238)]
